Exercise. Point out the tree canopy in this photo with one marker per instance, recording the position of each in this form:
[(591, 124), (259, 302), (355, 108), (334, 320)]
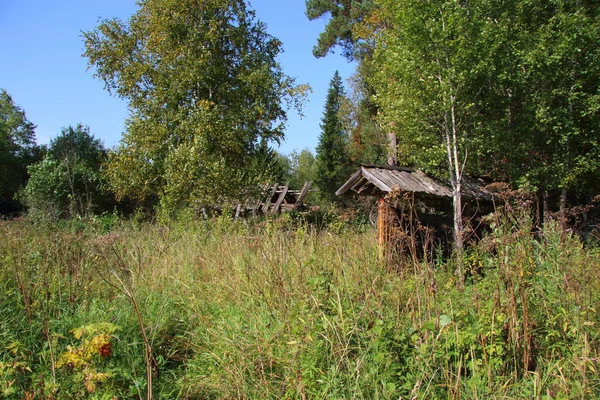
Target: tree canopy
[(69, 181), (343, 17), (520, 77), (17, 147), (303, 168), (204, 88)]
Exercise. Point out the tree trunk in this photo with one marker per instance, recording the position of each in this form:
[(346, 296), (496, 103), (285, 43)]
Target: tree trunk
[(546, 207), (455, 170), (458, 224), (392, 143), (541, 208), (563, 209)]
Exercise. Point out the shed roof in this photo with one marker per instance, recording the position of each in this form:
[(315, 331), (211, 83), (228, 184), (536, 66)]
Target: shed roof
[(377, 179)]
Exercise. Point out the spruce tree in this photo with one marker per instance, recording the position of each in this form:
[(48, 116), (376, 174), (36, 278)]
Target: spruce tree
[(332, 161)]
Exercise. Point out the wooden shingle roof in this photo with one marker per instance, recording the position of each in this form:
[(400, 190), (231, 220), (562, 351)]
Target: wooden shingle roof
[(378, 179)]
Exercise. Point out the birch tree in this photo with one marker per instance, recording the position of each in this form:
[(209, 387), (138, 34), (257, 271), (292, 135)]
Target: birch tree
[(204, 88), (428, 59)]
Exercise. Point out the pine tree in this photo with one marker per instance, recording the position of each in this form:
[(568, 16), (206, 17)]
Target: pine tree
[(332, 161)]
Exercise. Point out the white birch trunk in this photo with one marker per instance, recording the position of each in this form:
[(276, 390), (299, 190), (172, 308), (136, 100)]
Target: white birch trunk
[(392, 143)]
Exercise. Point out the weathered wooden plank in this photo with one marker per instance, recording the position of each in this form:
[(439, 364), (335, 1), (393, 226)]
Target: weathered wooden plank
[(353, 179), (287, 207), (303, 193), (377, 182), (366, 187), (360, 185), (383, 211), (267, 204), (261, 195), (276, 207), (374, 179), (384, 176)]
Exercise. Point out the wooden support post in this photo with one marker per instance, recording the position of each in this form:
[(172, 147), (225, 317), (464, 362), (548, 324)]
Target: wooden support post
[(387, 223), (383, 221)]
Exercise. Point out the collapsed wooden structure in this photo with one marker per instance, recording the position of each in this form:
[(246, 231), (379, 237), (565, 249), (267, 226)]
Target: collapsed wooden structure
[(383, 180), (274, 199)]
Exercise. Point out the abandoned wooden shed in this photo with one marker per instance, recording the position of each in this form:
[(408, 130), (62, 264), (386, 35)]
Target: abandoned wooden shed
[(380, 180), (377, 180)]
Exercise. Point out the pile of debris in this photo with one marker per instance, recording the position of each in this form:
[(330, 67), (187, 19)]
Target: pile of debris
[(274, 199)]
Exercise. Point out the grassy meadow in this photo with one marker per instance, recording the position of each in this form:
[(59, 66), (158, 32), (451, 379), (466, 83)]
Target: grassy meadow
[(281, 309)]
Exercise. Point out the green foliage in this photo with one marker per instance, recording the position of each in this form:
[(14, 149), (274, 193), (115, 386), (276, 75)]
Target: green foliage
[(483, 88), (77, 146), (47, 191), (561, 71), (339, 30), (205, 89), (68, 181), (17, 147), (268, 165), (521, 78), (302, 168), (332, 164), (425, 76), (368, 143)]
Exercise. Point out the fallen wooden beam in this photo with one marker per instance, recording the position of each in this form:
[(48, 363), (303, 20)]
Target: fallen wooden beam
[(268, 199), (277, 206), (303, 193)]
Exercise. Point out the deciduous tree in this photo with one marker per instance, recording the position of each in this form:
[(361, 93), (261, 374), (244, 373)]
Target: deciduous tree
[(17, 147), (505, 89), (204, 88), (560, 67), (302, 168), (69, 180)]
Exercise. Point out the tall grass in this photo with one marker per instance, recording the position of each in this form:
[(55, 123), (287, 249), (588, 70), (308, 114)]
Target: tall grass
[(278, 310)]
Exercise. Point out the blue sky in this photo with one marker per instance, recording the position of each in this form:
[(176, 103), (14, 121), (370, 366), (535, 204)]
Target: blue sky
[(41, 65)]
